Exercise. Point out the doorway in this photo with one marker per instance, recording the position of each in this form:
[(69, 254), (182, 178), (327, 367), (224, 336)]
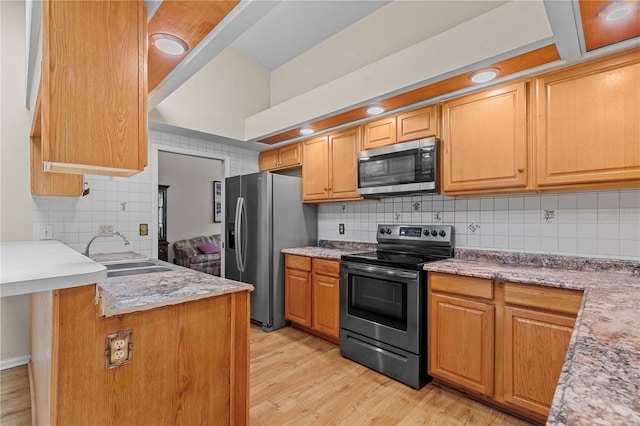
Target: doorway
[(190, 179)]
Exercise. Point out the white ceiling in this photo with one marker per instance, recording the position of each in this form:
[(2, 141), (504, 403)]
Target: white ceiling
[(293, 27)]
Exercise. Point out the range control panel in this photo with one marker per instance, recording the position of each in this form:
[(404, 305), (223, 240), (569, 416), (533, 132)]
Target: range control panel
[(439, 233)]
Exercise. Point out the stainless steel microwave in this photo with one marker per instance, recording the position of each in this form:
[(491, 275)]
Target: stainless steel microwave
[(399, 169)]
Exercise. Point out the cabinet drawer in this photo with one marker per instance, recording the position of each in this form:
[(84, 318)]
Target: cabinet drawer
[(326, 267), (297, 262), (465, 286), (549, 298)]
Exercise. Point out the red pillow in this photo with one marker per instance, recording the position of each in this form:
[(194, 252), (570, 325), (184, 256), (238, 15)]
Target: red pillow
[(208, 248)]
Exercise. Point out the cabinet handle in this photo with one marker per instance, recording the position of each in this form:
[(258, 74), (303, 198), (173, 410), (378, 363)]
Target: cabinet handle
[(520, 170)]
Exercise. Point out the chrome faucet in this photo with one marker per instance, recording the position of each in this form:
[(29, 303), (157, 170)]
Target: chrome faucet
[(105, 234)]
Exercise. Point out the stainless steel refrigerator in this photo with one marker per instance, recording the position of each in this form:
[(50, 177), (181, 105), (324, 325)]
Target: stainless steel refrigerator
[(264, 214)]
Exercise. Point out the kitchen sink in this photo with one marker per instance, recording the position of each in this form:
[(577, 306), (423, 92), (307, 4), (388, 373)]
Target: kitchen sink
[(137, 271), (124, 268), (126, 265)]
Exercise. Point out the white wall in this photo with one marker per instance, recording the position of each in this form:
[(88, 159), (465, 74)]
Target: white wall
[(219, 97), (594, 224), (384, 32), (509, 28), (15, 205), (190, 195)]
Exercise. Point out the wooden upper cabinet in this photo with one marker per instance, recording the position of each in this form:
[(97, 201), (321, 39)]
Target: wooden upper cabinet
[(315, 169), (281, 158), (343, 167), (587, 128), (379, 133), (417, 124), (484, 140), (94, 87), (329, 170), (49, 183)]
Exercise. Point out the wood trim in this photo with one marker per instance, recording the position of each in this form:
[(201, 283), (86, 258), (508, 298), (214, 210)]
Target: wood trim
[(534, 58), (548, 298), (598, 33), (143, 115), (465, 286), (36, 124), (191, 21)]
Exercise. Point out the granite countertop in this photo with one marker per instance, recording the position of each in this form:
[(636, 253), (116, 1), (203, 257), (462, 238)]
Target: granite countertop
[(321, 252), (121, 295), (600, 379)]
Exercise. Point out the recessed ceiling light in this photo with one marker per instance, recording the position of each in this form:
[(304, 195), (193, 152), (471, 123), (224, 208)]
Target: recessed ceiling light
[(484, 75), (169, 44), (375, 109), (306, 130), (617, 10)]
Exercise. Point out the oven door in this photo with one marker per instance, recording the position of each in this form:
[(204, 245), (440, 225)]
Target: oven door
[(383, 303)]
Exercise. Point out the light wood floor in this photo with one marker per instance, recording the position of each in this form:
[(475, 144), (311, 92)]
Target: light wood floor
[(298, 379)]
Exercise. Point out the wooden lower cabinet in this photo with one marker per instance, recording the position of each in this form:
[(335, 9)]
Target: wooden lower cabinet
[(535, 345), (189, 363), (312, 295), (504, 343)]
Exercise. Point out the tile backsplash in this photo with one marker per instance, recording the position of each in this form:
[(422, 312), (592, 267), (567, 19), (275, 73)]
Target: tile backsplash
[(124, 203), (595, 224)]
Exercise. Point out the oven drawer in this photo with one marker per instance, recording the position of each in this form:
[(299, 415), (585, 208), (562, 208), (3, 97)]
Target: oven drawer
[(464, 286), (297, 262)]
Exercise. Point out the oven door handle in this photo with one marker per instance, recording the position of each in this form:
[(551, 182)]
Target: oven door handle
[(372, 269)]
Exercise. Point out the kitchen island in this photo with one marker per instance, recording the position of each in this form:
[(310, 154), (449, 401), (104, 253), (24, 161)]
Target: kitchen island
[(187, 349), (599, 381)]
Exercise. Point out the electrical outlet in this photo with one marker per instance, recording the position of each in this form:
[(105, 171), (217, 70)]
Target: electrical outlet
[(341, 228), (46, 231), (105, 228), (119, 349)]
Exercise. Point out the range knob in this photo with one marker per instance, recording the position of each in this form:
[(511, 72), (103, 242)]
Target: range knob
[(426, 232), (442, 233), (434, 233), (382, 230), (388, 231)]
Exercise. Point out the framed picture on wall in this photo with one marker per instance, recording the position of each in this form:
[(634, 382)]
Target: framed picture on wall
[(217, 201)]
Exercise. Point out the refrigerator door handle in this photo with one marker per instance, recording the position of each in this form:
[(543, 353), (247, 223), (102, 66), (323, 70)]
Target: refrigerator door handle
[(238, 231), (244, 236)]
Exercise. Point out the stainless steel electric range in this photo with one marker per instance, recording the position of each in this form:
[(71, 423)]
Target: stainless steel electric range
[(383, 300)]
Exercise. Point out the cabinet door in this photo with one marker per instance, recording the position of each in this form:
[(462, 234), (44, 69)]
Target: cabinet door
[(94, 92), (298, 296), (379, 133), (416, 124), (289, 155), (588, 123), (461, 340), (343, 164), (535, 345), (315, 169), (268, 160), (326, 304), (485, 141)]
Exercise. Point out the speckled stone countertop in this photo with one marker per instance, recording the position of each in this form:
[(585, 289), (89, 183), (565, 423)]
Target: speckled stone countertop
[(121, 295), (600, 379)]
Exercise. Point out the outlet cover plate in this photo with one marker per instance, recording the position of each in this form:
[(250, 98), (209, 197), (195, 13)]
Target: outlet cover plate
[(119, 347)]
